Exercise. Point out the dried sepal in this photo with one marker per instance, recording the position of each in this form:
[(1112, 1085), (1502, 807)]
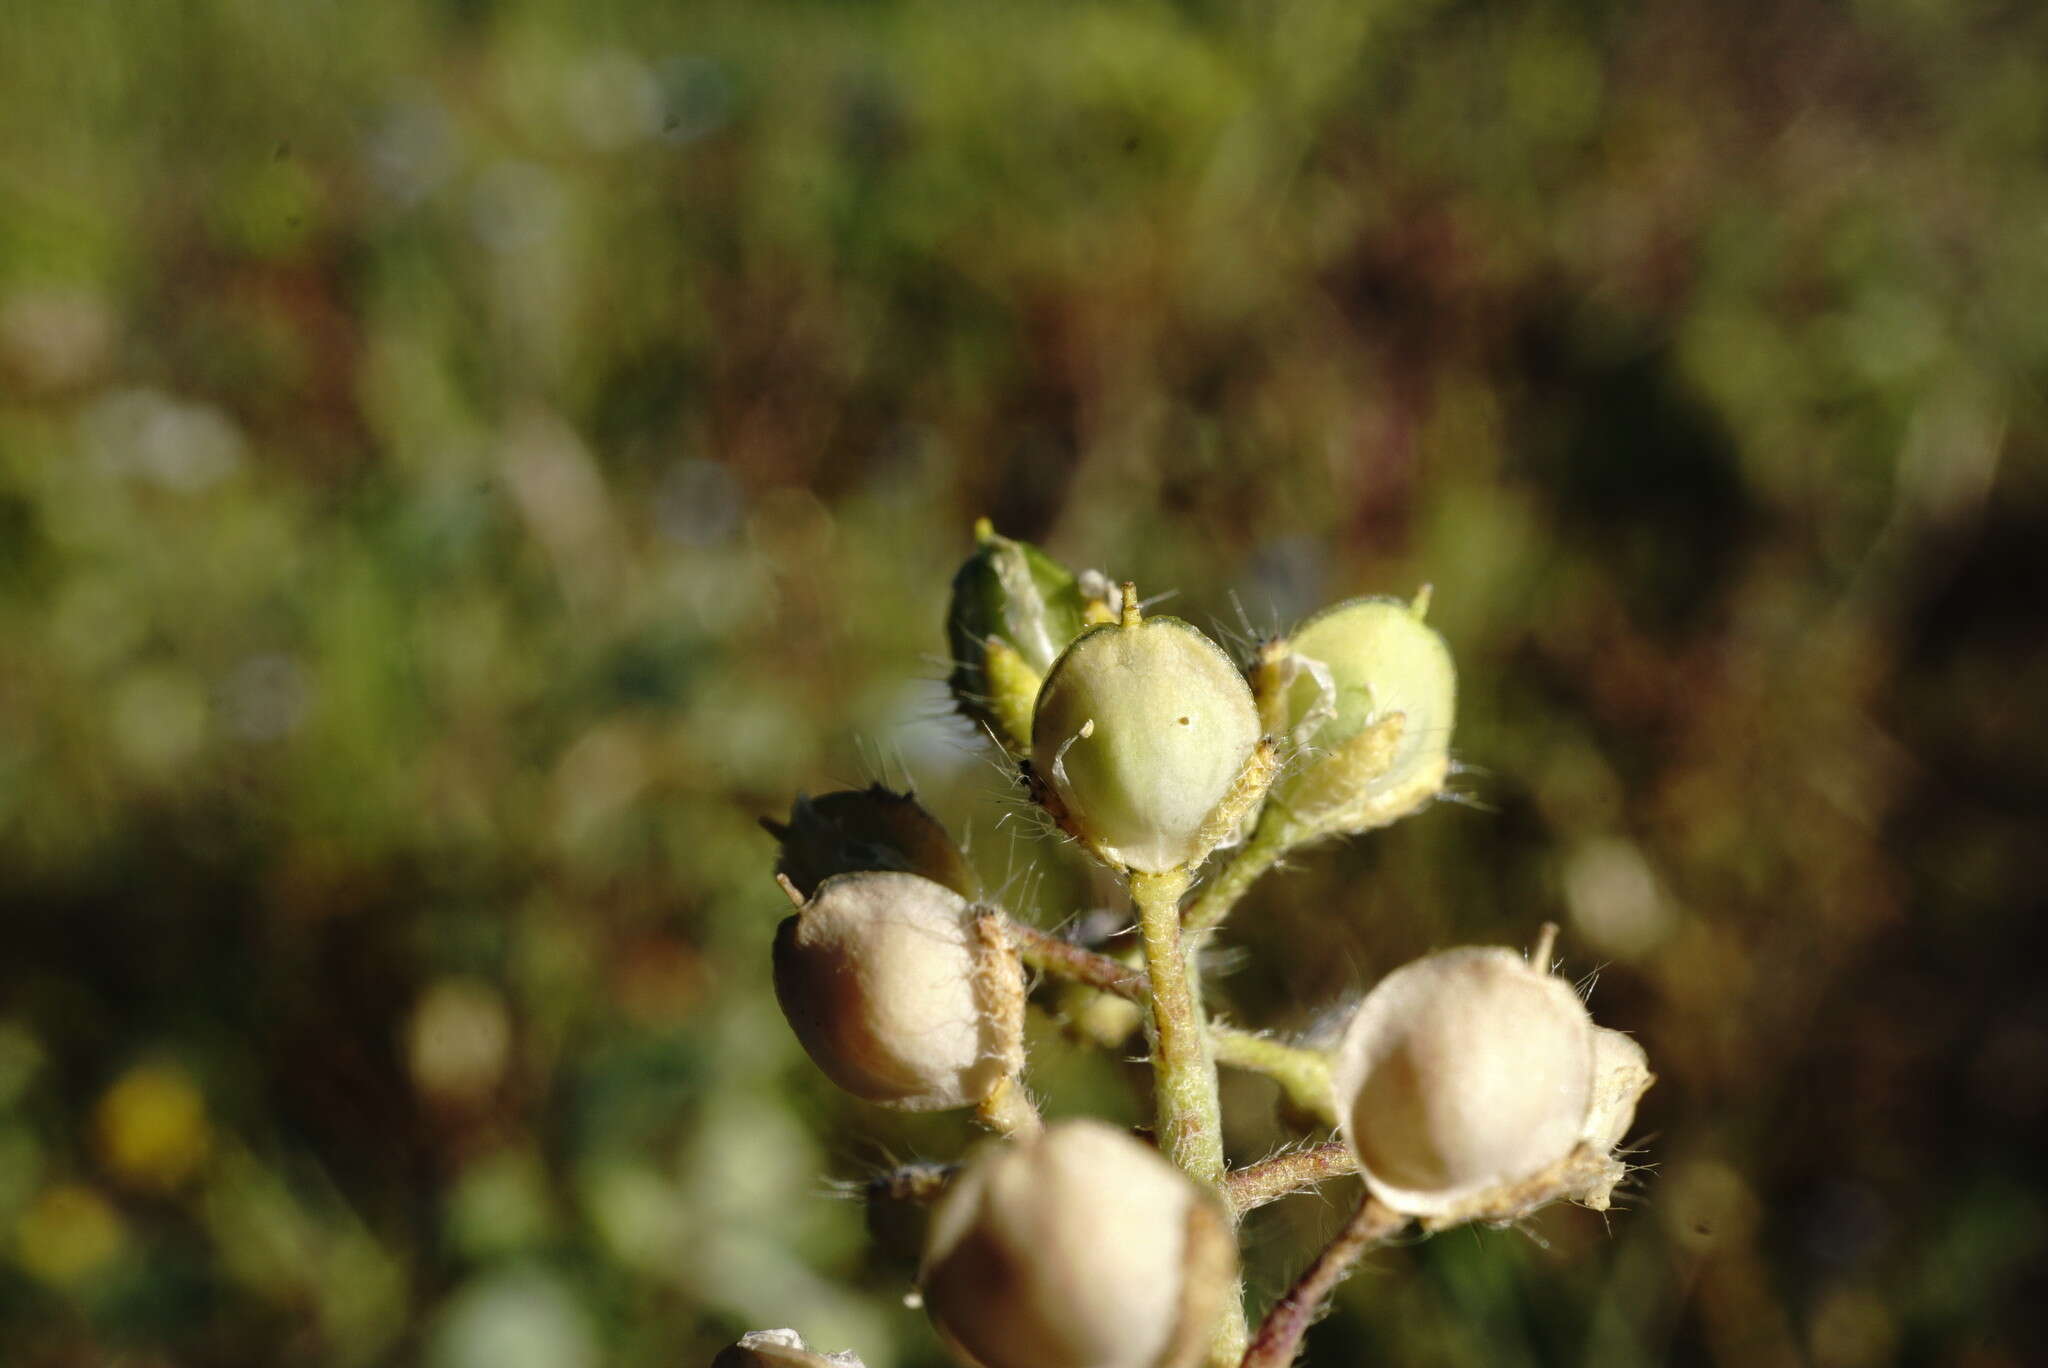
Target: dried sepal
[(853, 831), (1621, 1075), (1080, 1249), (892, 987)]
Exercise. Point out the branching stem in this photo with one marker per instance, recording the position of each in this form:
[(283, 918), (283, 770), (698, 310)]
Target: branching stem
[(1252, 859), (1304, 1075), (1279, 1337), (1070, 961), (1268, 1181)]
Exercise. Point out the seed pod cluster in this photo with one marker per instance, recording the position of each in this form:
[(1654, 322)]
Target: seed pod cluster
[(1470, 1085), (1081, 1248)]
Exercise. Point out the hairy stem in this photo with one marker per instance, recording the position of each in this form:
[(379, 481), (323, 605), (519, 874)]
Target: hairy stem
[(1304, 1075), (1190, 1117), (1279, 1337), (910, 1183), (1271, 1179), (1267, 844), (1070, 961), (1009, 1111)]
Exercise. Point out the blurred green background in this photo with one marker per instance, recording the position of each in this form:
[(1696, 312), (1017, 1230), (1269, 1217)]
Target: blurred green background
[(461, 464)]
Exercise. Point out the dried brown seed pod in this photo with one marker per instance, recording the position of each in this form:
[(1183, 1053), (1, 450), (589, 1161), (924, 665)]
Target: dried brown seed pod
[(901, 991), (853, 831), (1081, 1248), (1472, 1085)]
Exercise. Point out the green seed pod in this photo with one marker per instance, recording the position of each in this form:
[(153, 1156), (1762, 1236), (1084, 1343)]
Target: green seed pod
[(779, 1349), (1473, 1085), (855, 830), (1080, 1248), (1014, 610), (901, 991), (1145, 743), (1363, 695)]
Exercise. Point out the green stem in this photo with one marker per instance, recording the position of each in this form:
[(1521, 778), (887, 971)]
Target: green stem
[(1267, 844), (1304, 1075), (1190, 1116)]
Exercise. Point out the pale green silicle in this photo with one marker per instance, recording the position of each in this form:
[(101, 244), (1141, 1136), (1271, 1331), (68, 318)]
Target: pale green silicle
[(1362, 698), (1145, 743)]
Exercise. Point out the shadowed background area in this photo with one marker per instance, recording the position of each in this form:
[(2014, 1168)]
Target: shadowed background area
[(462, 464)]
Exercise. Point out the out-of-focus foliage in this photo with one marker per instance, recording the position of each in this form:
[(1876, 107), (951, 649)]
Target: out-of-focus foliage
[(461, 464)]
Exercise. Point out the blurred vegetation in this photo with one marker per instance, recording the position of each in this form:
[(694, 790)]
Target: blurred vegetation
[(461, 464)]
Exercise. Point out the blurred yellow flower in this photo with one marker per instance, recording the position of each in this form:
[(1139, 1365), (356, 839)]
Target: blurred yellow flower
[(67, 1234), (152, 1127)]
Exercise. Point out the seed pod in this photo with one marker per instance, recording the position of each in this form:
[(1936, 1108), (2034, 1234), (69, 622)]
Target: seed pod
[(855, 830), (901, 991), (1014, 610), (779, 1349), (1081, 1248), (1621, 1074), (1145, 743), (1363, 695), (1472, 1085)]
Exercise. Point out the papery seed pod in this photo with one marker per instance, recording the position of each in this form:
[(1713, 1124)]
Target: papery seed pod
[(1014, 609), (1081, 1248), (856, 830), (901, 991), (1621, 1074), (1363, 696), (1472, 1085), (779, 1349), (1145, 743)]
